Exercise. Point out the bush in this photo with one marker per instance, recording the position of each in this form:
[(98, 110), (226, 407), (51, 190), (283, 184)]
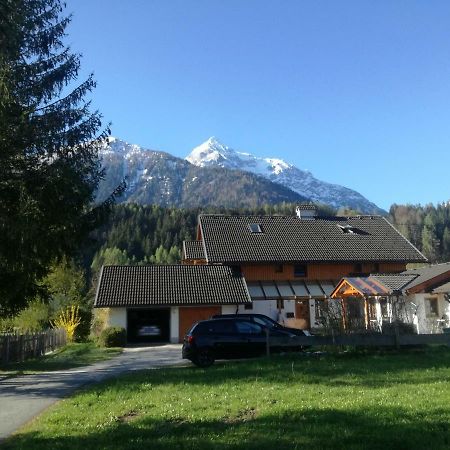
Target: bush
[(6, 324), (99, 321), (35, 317), (113, 337), (403, 328)]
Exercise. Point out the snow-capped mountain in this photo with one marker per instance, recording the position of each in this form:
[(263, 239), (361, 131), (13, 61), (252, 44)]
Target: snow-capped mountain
[(213, 153), (155, 177)]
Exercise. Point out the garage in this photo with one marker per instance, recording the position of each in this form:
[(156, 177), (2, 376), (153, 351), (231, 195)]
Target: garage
[(189, 315), (159, 303), (148, 325)]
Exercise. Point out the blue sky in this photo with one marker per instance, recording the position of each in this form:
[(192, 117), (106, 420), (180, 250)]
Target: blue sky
[(358, 92)]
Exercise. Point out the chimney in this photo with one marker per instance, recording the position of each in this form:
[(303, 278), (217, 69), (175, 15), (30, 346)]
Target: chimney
[(306, 212)]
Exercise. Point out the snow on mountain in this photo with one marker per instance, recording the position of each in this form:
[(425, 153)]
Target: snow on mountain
[(213, 153), (155, 177)]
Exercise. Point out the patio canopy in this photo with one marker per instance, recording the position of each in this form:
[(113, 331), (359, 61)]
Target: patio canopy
[(372, 286), (290, 290)]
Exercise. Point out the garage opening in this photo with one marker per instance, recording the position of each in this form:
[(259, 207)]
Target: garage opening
[(148, 325)]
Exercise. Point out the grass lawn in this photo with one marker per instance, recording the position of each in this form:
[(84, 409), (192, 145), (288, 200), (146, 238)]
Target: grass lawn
[(350, 401), (67, 357)]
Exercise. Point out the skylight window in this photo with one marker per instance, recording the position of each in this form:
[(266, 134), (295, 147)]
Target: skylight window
[(349, 229), (346, 229), (255, 227)]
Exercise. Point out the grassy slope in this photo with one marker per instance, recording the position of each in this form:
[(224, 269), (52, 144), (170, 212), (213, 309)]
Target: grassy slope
[(70, 356), (399, 401)]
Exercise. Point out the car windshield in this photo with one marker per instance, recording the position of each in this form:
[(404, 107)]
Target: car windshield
[(266, 322)]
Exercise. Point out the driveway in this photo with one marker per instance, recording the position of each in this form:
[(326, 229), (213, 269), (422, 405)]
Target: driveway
[(23, 398)]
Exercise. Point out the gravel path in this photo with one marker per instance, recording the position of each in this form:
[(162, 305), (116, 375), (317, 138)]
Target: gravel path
[(23, 398)]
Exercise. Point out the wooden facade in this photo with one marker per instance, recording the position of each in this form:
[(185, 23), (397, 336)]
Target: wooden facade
[(188, 315), (336, 271), (304, 307)]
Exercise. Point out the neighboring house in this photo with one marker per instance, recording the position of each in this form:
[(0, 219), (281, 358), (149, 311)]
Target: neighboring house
[(419, 296), (161, 302), (292, 263), (429, 292)]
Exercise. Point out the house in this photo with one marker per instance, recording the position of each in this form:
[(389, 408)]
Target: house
[(283, 266), (160, 303), (428, 292), (419, 296), (291, 264)]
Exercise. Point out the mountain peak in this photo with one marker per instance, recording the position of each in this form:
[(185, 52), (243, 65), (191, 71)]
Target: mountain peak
[(211, 152), (213, 141)]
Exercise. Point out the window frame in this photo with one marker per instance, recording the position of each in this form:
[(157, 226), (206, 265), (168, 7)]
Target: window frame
[(255, 228), (431, 307), (300, 273)]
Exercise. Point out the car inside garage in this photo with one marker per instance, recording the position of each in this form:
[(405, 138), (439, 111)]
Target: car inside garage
[(148, 325)]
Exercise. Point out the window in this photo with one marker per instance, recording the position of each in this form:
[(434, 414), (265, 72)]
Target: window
[(248, 328), (349, 229), (255, 227), (300, 270), (372, 309), (384, 305), (431, 307), (354, 308), (346, 229), (280, 303), (265, 322), (279, 268), (318, 309), (221, 326), (248, 306)]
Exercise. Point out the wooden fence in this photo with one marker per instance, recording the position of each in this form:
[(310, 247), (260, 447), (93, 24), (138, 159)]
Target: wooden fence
[(359, 340), (20, 347)]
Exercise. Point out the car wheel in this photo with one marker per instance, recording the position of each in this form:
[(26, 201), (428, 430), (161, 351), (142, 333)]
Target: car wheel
[(204, 358)]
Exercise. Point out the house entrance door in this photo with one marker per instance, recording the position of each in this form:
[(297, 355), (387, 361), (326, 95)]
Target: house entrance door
[(302, 314)]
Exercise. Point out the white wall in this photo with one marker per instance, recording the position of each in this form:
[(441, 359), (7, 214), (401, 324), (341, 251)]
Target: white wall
[(429, 325), (174, 324), (228, 309), (266, 307), (117, 317), (289, 307)]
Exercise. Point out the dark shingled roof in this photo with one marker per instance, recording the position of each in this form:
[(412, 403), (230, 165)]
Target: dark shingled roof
[(394, 282), (170, 285), (193, 250), (228, 239)]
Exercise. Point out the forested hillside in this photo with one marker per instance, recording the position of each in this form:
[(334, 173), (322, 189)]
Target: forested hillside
[(137, 234), (427, 227)]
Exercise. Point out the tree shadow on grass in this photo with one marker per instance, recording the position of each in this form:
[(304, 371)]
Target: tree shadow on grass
[(355, 370), (352, 370), (371, 429)]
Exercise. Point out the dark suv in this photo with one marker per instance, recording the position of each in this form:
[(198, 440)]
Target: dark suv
[(265, 321), (228, 338)]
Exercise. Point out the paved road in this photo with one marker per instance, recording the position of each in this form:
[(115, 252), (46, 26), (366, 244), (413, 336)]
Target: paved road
[(23, 398)]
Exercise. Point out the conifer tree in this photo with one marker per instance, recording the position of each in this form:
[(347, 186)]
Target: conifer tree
[(49, 142)]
